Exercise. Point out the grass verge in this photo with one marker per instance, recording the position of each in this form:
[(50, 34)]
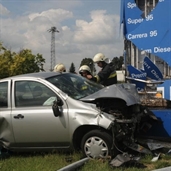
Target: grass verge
[(55, 161)]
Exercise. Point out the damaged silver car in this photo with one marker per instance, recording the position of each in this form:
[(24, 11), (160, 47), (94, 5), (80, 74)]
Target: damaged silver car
[(49, 110)]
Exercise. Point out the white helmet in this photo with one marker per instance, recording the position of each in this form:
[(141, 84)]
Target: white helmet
[(84, 68), (99, 57), (59, 68)]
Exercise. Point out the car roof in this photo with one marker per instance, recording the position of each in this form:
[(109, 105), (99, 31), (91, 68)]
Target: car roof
[(43, 75)]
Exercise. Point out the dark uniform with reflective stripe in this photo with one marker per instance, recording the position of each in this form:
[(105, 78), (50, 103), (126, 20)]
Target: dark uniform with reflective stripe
[(107, 76)]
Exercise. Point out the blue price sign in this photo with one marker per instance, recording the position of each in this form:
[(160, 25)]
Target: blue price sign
[(152, 70), (152, 33)]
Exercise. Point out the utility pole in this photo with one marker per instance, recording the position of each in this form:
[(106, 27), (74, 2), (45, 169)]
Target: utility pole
[(52, 30)]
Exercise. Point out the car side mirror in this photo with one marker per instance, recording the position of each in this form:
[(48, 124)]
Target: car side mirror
[(55, 107), (59, 102)]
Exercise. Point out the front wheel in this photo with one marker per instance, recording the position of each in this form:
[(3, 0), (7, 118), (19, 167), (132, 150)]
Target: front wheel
[(96, 144)]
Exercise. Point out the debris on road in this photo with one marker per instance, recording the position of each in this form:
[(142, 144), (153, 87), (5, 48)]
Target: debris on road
[(74, 165), (164, 169)]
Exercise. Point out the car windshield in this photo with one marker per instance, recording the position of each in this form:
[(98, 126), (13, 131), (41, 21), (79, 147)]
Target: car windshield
[(74, 85)]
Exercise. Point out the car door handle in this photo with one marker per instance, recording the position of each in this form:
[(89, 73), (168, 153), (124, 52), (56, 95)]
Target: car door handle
[(19, 116)]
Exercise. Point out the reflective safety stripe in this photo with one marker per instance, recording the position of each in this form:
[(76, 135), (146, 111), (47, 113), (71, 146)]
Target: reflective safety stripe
[(84, 87), (112, 75), (98, 78)]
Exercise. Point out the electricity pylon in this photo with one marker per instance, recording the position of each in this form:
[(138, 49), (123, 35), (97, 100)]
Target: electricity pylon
[(52, 30)]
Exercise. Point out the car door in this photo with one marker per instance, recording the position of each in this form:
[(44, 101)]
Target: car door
[(34, 124), (6, 130)]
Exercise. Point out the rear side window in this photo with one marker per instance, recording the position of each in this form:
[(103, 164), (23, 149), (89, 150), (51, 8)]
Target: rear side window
[(3, 94)]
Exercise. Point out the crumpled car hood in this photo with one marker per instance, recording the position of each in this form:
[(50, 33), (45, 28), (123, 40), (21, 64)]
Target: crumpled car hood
[(124, 91)]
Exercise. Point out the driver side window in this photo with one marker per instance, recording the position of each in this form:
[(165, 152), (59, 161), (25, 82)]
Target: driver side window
[(32, 93)]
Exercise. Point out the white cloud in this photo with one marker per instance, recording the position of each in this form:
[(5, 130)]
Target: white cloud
[(77, 39), (57, 15), (103, 28), (3, 10)]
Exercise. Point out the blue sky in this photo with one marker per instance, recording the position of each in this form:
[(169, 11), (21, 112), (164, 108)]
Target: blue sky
[(86, 27)]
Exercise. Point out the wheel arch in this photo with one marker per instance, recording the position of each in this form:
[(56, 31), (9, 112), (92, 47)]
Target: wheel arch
[(81, 131)]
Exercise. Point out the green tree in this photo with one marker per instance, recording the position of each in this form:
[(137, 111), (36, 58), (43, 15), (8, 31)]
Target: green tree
[(1, 47), (89, 62), (19, 63), (6, 59), (118, 62), (72, 68), (25, 62)]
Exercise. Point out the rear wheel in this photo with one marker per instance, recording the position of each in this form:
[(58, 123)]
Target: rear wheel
[(96, 144)]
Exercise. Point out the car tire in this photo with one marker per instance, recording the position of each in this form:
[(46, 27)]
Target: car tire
[(96, 144)]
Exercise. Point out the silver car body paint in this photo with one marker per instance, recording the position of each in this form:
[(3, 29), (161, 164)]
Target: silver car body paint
[(39, 128), (49, 110), (119, 91)]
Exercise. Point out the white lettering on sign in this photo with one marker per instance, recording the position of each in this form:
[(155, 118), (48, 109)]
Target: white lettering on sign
[(148, 50), (139, 89), (134, 21), (161, 50), (137, 36), (139, 20), (149, 17), (131, 5), (153, 33), (139, 75), (147, 66), (155, 74)]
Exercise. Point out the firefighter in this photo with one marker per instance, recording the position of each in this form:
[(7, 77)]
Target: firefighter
[(84, 71), (107, 76), (59, 68)]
